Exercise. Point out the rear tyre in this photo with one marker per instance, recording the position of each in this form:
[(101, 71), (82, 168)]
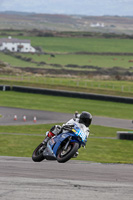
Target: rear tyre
[(64, 156), (37, 155)]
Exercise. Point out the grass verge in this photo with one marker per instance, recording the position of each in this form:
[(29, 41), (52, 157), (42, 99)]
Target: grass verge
[(65, 104), (97, 149)]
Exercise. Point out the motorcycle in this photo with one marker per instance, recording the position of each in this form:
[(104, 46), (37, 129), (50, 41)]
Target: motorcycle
[(61, 147)]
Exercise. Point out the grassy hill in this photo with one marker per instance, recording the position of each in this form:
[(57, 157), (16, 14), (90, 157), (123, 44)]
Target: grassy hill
[(55, 22)]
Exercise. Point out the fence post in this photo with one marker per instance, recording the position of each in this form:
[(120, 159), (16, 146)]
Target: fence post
[(4, 87)]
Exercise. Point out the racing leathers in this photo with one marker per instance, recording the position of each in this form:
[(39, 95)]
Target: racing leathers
[(81, 126), (57, 129)]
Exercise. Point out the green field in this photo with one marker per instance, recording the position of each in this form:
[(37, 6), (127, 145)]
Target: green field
[(69, 59), (15, 62), (71, 45), (75, 59), (61, 44)]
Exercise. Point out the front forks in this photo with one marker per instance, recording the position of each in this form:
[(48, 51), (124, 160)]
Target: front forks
[(66, 146)]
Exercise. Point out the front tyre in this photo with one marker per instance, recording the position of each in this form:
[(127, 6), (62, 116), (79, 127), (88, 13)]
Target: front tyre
[(64, 156), (37, 155)]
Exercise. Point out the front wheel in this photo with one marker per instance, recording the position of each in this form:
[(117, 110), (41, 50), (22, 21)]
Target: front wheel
[(37, 155), (64, 156)]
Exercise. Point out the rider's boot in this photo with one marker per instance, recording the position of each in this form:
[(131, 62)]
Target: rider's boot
[(45, 141), (49, 135), (76, 154)]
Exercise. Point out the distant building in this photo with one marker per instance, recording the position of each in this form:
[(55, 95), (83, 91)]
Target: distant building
[(16, 45), (97, 25)]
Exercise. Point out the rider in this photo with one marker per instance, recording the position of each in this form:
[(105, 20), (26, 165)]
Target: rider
[(83, 120)]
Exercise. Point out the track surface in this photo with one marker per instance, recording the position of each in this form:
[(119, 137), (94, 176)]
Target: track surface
[(44, 117), (22, 179)]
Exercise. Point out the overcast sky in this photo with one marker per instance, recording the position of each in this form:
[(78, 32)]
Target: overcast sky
[(78, 7)]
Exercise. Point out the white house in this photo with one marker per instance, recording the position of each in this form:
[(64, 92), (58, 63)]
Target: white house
[(97, 25), (16, 45)]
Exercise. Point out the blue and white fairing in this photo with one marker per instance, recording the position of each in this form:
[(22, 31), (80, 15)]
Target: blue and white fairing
[(80, 132), (77, 134)]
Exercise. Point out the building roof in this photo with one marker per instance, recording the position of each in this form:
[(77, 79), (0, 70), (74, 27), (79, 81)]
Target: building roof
[(13, 40)]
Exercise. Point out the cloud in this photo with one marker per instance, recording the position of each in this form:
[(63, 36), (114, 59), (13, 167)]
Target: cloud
[(84, 7)]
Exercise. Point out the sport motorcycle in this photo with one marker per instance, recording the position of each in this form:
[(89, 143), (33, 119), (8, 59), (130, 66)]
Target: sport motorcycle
[(63, 146)]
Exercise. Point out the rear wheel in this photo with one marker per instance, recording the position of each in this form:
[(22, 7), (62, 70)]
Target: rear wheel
[(64, 156), (37, 155)]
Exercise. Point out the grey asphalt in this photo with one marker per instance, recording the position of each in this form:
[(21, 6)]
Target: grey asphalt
[(22, 179), (45, 117), (42, 117)]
